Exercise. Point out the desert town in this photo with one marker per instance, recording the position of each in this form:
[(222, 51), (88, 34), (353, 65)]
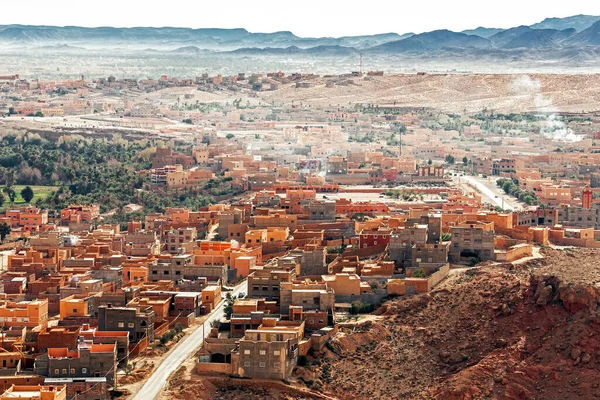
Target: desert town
[(311, 224)]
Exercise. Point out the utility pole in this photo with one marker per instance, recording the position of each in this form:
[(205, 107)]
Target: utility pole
[(147, 342)]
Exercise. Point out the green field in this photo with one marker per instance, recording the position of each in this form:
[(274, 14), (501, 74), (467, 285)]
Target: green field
[(39, 192)]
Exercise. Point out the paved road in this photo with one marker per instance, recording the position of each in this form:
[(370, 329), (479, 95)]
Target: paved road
[(182, 352), (487, 192)]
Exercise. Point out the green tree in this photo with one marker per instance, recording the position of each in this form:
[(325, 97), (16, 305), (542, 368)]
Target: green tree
[(10, 193), (429, 162), (229, 135), (4, 231), (11, 111), (38, 114), (2, 200), (465, 161), (450, 159), (229, 300), (27, 194)]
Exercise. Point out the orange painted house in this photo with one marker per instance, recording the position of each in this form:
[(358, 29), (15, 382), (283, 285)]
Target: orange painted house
[(25, 313)]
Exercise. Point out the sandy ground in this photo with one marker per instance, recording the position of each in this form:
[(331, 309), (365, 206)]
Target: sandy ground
[(457, 92)]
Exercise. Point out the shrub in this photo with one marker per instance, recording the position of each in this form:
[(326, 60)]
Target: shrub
[(331, 347), (419, 273), (302, 361), (361, 307), (168, 336), (474, 261)]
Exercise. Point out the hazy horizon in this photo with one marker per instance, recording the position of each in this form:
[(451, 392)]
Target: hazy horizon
[(314, 19)]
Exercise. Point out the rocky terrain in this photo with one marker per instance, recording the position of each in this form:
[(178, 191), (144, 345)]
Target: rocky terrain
[(528, 331), (185, 386)]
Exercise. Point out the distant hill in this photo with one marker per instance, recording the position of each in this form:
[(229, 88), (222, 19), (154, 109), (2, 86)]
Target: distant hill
[(483, 32), (292, 50), (60, 47), (188, 50), (571, 38), (588, 37), (434, 41), (535, 38), (564, 34), (577, 22), (215, 39), (503, 38)]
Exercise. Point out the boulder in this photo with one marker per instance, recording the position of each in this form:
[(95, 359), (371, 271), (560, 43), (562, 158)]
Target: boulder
[(543, 294)]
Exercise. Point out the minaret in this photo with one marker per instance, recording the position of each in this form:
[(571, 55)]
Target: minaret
[(586, 198)]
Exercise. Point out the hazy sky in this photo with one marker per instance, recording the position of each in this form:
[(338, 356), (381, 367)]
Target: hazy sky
[(304, 18)]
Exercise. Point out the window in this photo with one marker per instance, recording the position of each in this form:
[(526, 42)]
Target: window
[(84, 370), (74, 310), (72, 371), (262, 364), (247, 364), (121, 324), (246, 351), (276, 353), (262, 352), (131, 325), (56, 371), (64, 371)]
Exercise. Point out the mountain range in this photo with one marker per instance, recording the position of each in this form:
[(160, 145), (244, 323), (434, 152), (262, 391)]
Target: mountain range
[(558, 35)]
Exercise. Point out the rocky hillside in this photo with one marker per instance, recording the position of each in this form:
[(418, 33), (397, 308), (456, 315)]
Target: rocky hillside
[(498, 332)]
